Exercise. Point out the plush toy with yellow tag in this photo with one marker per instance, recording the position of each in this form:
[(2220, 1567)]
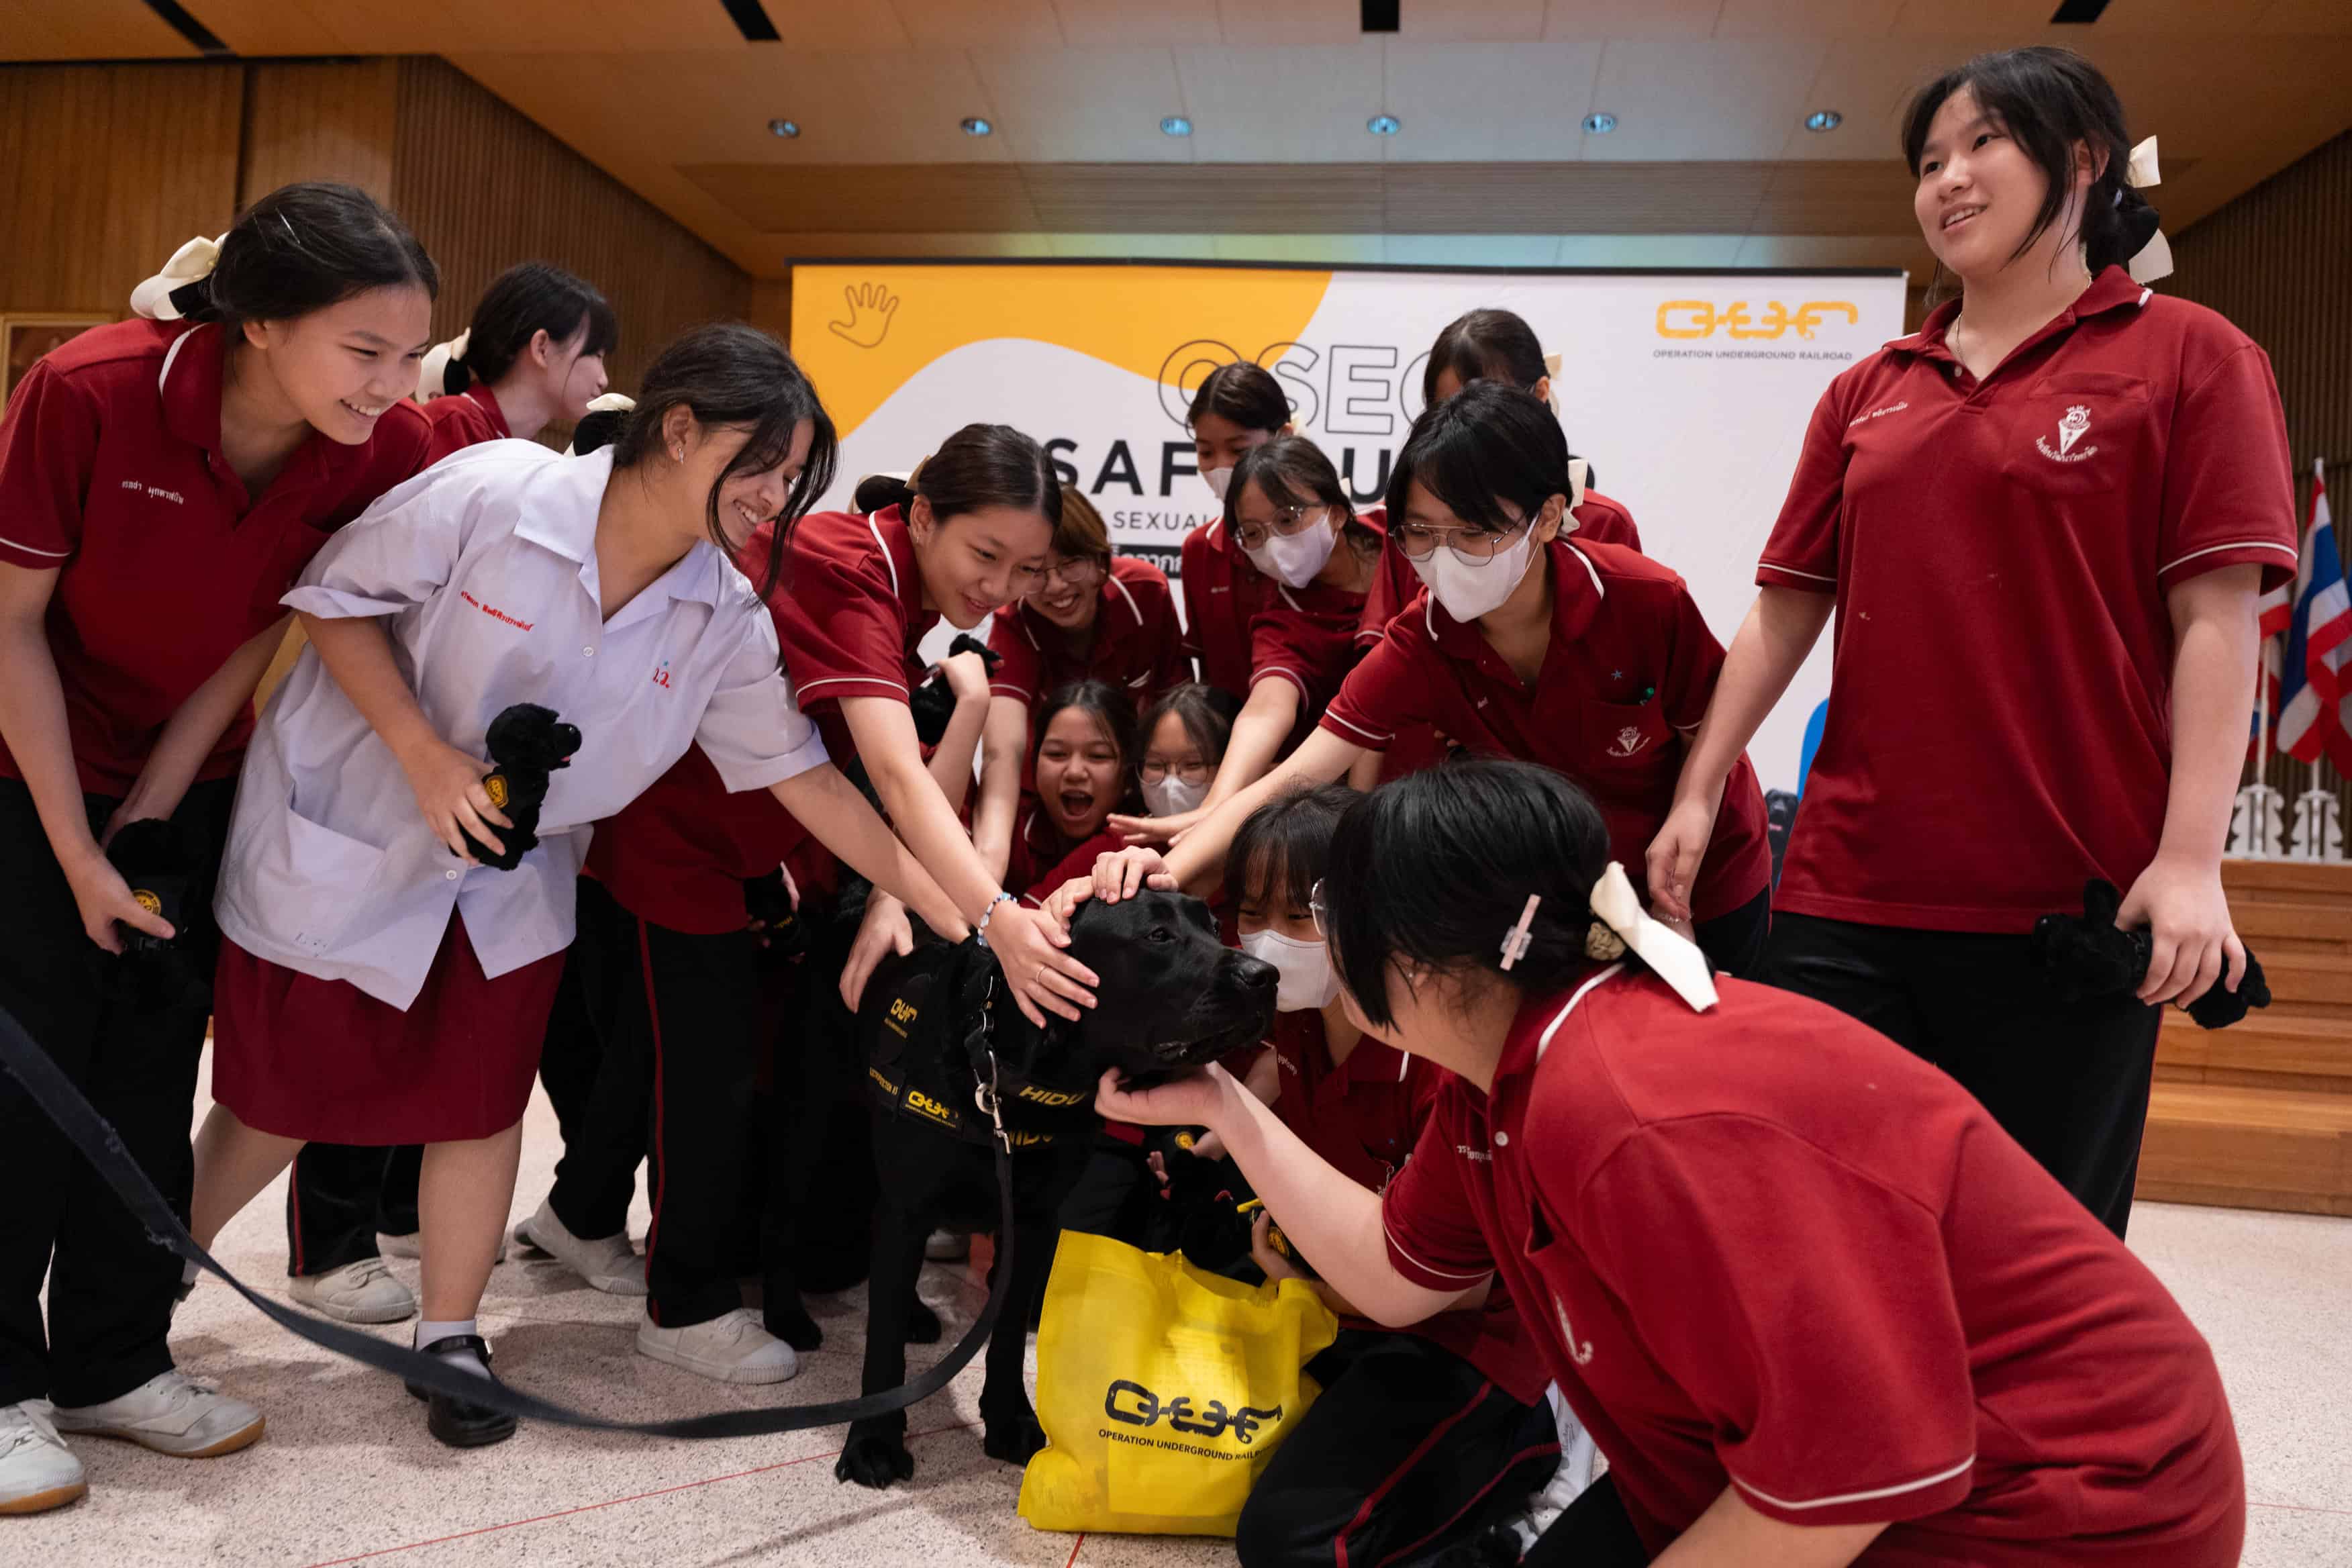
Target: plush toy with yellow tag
[(527, 744)]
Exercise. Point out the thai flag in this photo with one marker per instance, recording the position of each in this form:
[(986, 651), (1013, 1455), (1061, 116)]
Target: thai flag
[(2313, 684), (2275, 613)]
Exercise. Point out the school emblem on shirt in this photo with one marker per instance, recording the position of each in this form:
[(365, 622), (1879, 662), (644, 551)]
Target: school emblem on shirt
[(1580, 1354), (1629, 740), (2071, 429)]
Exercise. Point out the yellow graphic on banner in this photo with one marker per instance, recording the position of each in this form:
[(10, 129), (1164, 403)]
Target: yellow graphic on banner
[(863, 332), (1700, 318)]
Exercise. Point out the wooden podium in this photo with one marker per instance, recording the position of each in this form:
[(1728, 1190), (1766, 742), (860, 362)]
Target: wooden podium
[(2258, 1115)]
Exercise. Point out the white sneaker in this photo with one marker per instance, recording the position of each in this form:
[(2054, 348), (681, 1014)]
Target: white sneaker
[(608, 1263), (37, 1471), (729, 1347), (173, 1413), (361, 1293), (412, 1246), (947, 1247)]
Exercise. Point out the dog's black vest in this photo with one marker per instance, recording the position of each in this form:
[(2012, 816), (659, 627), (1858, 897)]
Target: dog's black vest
[(917, 1066)]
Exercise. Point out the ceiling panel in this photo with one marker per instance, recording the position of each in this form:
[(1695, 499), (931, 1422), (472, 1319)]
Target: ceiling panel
[(1557, 198), (1215, 198), (1289, 21), (1510, 101), (1751, 89), (1472, 19), (999, 24), (1838, 18), (86, 30), (1104, 105), (2307, 16), (1629, 18), (1117, 24), (897, 198), (2177, 15), (1304, 105)]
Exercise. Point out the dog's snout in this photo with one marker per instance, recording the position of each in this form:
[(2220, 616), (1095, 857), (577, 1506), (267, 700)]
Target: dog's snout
[(1256, 974)]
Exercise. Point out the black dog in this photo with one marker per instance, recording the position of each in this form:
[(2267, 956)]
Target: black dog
[(1172, 998), (2086, 956), (527, 742)]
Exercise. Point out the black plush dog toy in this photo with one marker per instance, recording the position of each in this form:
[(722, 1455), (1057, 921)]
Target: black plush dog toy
[(158, 860), (2085, 956), (527, 742)]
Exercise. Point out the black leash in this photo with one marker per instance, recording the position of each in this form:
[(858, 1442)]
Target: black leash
[(99, 1143)]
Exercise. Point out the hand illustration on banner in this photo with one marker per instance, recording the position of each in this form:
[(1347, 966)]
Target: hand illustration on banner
[(871, 306)]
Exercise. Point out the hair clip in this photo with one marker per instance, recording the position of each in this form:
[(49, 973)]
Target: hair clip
[(1516, 941)]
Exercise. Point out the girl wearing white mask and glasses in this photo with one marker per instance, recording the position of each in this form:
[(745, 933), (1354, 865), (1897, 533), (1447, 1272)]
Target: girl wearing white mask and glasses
[(1590, 659), (1289, 514), (1183, 735)]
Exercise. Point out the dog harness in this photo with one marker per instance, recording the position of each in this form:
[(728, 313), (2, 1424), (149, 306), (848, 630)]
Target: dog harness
[(917, 1065)]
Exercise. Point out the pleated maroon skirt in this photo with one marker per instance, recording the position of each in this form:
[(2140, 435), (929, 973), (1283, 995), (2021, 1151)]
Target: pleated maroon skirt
[(322, 1060)]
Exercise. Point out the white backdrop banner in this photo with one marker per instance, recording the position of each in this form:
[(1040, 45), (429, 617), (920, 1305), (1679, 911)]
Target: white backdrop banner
[(1687, 391)]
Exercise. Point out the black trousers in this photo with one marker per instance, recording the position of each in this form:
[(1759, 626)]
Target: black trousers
[(134, 1055), (1409, 1450), (1734, 943), (601, 1091), (340, 1195), (2068, 1080)]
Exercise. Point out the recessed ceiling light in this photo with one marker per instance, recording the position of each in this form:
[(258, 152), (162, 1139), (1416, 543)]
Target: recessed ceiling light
[(1823, 120), (1176, 126), (1384, 125), (976, 126), (1600, 124), (787, 127)]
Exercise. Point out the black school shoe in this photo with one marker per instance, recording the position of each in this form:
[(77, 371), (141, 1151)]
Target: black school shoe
[(458, 1424)]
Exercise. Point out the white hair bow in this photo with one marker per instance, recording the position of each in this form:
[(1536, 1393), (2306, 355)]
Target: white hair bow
[(1674, 959), (192, 263), (433, 373), (2153, 260)]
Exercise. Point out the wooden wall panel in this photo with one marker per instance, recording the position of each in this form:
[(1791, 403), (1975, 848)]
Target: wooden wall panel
[(104, 171), (319, 120), (484, 187)]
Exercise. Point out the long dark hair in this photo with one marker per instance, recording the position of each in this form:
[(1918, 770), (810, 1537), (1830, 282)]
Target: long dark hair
[(1290, 468), (1284, 846), (1434, 868), (979, 466), (2047, 100), (1110, 707), (1245, 393), (1484, 345), (729, 373), (1486, 445), (527, 299), (303, 247)]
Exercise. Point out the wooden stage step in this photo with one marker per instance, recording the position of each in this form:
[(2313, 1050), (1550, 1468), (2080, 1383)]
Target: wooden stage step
[(2248, 1147)]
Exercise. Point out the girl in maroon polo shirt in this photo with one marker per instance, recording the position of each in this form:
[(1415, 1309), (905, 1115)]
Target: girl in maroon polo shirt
[(532, 356), (1183, 737), (1590, 658), (1814, 1306), (1085, 768), (2042, 522), (1238, 406), (161, 483)]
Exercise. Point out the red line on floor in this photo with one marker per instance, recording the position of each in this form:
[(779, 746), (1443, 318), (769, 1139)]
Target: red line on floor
[(1081, 1541), (614, 1503), (2300, 1508)]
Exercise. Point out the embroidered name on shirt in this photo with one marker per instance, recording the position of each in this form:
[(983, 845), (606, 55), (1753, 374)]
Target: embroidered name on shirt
[(661, 676), (1876, 414), (2071, 429), (1467, 1153), (159, 493), (494, 612)]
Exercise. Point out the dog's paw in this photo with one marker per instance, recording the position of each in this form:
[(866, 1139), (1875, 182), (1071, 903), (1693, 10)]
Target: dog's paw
[(792, 1325), (922, 1326), (1012, 1436), (875, 1461)]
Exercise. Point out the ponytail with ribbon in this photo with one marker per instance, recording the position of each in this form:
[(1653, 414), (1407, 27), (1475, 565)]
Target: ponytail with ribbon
[(183, 289), (2150, 254), (601, 424), (1620, 925), (443, 372)]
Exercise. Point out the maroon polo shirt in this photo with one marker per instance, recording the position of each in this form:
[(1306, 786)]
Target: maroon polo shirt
[(111, 473), (465, 419), (1222, 595), (1137, 643), (2000, 723)]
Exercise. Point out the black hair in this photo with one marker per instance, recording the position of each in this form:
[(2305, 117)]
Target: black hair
[(1285, 844), (527, 299), (1245, 394), (2047, 100), (729, 374), (1291, 468), (1434, 868), (1488, 445), (980, 466), (303, 247), (1206, 713), (1484, 345)]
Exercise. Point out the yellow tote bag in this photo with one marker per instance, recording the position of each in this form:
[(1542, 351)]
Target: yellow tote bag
[(1163, 1390)]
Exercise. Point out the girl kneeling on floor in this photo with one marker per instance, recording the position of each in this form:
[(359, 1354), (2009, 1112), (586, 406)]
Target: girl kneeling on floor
[(377, 983), (1816, 1307)]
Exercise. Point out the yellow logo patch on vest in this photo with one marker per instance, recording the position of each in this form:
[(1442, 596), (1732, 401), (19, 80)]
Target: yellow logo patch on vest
[(902, 1012), (1037, 1096)]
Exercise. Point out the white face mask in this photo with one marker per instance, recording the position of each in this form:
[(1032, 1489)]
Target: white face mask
[(1172, 796), (1467, 592), (1292, 560), (1218, 480), (1308, 981)]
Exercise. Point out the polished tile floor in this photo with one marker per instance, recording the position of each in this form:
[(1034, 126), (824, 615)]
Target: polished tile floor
[(347, 1473)]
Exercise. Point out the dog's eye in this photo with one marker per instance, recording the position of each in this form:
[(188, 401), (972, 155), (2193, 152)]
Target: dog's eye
[(1160, 933)]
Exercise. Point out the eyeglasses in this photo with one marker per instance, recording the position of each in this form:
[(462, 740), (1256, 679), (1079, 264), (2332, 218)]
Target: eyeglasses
[(1470, 546), (1082, 572), (1287, 520), (1317, 910), (1191, 772)]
